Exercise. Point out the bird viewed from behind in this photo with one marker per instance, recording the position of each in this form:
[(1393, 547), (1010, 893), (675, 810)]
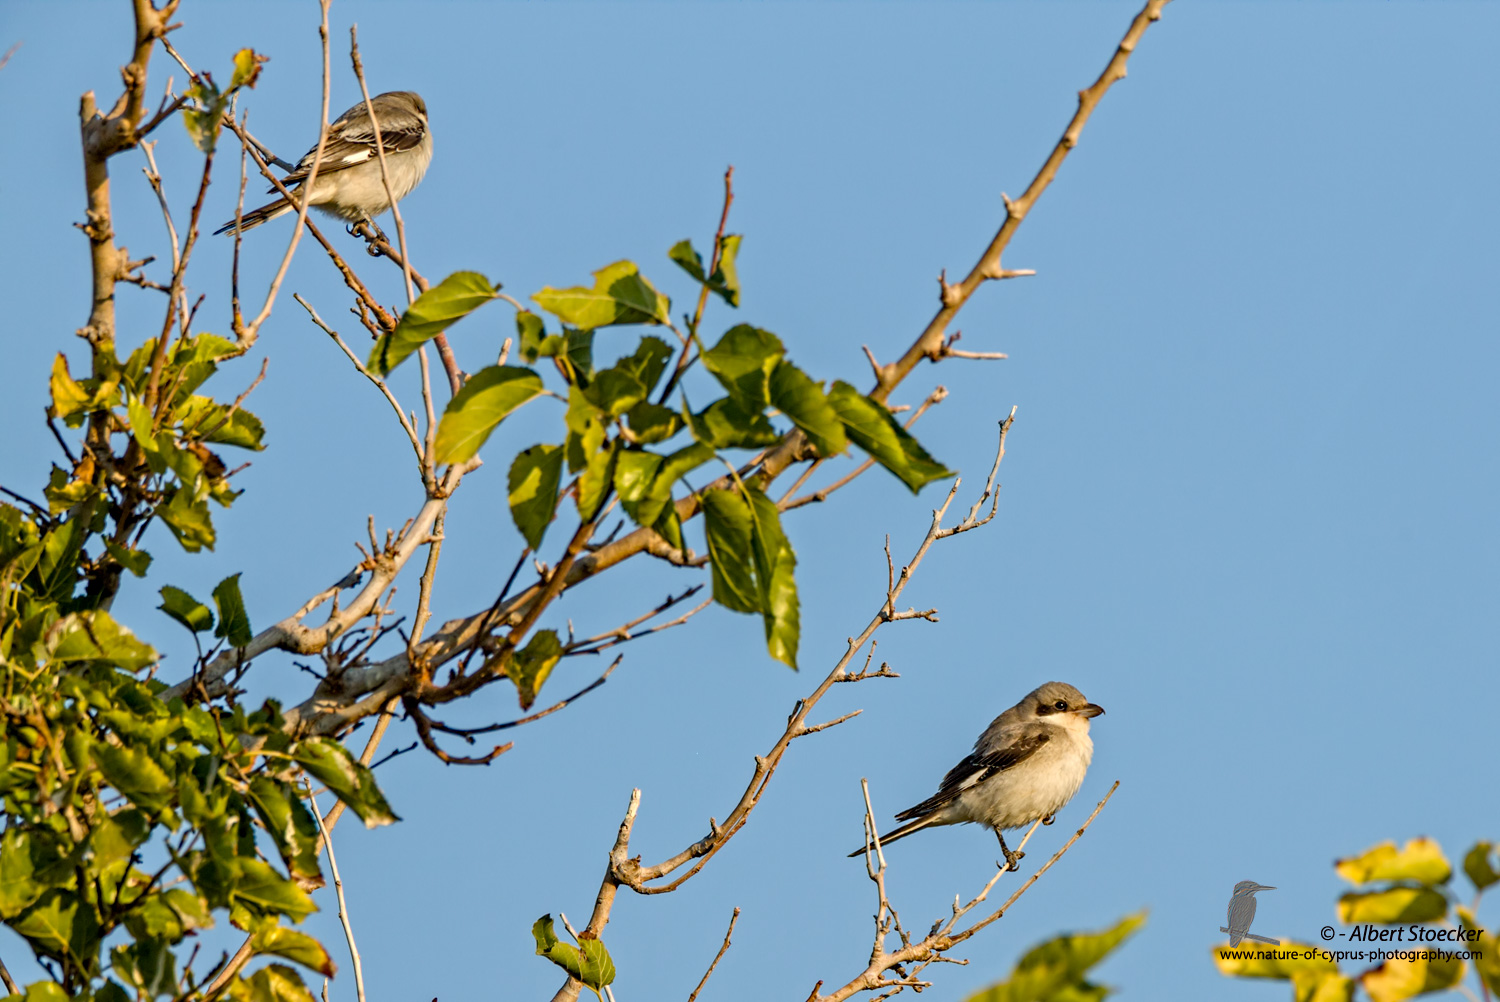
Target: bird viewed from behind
[(349, 184), (1242, 913), (1025, 766)]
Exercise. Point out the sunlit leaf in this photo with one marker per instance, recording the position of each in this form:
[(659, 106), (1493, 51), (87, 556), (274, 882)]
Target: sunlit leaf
[(1051, 969), (1421, 859), (291, 826), (189, 520), (742, 362), (535, 342), (58, 925), (1395, 980), (594, 481), (272, 983), (134, 561), (797, 396), (490, 395), (1291, 959), (533, 481), (1395, 905), (530, 666), (353, 783), (247, 64), (437, 309), (279, 941), (620, 295), (724, 424), (260, 885), (726, 279), (589, 961), (135, 774), (651, 423), (1477, 865), (96, 636), (186, 609)]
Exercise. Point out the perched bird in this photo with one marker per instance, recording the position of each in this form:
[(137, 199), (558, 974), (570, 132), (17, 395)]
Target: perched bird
[(1026, 765), (1242, 913), (349, 184)]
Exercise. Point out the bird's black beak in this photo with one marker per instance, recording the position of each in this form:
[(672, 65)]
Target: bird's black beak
[(1090, 710)]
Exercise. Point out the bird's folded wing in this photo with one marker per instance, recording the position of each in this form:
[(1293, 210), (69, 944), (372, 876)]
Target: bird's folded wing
[(974, 769), (351, 141)]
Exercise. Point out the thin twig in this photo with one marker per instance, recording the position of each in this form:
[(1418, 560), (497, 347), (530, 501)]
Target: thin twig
[(338, 889), (718, 956)]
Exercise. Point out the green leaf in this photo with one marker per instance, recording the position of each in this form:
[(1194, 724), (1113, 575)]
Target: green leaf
[(635, 474), (1392, 906), (725, 280), (1421, 860), (589, 961), (60, 926), (45, 991), (594, 481), (490, 395), (206, 418), (1478, 867), (621, 295), (279, 941), (350, 781), (650, 423), (795, 394), (727, 526), (142, 425), (272, 983), (724, 424), (19, 888), (437, 309), (775, 564), (615, 391), (743, 361), (1486, 951), (95, 636), (648, 508), (135, 774), (534, 340), (188, 519), (530, 666), (1320, 986), (134, 561), (578, 353), (668, 526), (1058, 966), (534, 478), (202, 117), (269, 891), (586, 431), (234, 622), (876, 430), (291, 826), (68, 396), (1395, 980), (648, 361), (186, 609)]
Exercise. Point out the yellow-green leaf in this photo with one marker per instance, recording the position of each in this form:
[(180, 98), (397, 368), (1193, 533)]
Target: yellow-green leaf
[(620, 295), (1421, 860), (1477, 865), (1397, 904), (530, 666), (279, 941), (1395, 980), (534, 477), (437, 309), (1291, 960), (1311, 986), (1055, 969), (186, 609), (346, 778), (876, 430), (490, 395), (589, 961)]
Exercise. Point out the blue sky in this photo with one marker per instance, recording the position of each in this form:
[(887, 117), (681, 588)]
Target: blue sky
[(1249, 503)]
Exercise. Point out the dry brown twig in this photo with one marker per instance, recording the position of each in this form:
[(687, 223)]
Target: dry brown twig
[(717, 957)]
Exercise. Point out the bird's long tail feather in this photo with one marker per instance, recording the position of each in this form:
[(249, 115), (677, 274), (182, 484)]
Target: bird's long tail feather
[(899, 833), (255, 217)]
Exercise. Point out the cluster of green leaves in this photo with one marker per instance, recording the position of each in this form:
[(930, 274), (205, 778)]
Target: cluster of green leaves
[(1057, 970), (125, 811), (623, 435), (1394, 887), (131, 821)]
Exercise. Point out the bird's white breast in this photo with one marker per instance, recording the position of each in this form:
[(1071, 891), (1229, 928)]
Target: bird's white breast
[(1035, 788)]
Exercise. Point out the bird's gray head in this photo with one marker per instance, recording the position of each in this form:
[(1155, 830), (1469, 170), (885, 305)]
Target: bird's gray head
[(410, 100), (1247, 888), (1053, 698)]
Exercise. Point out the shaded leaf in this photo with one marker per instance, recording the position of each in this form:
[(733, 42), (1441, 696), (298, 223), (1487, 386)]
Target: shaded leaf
[(437, 309), (1421, 860), (648, 361), (201, 118), (234, 622), (688, 259), (530, 666), (533, 481), (1395, 905), (272, 983), (260, 885), (19, 888), (620, 295), (615, 391), (594, 481), (876, 430), (135, 774), (727, 527), (1477, 865), (535, 342), (59, 925), (589, 961), (726, 278), (651, 423), (350, 781), (775, 564), (1317, 986), (290, 825), (802, 400), (490, 395), (134, 561), (186, 609), (724, 424)]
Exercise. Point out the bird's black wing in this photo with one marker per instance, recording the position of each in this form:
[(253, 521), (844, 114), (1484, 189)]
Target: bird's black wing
[(975, 769), (351, 141)]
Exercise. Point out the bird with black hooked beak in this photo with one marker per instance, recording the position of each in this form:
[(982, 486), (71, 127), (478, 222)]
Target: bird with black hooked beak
[(1025, 766)]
